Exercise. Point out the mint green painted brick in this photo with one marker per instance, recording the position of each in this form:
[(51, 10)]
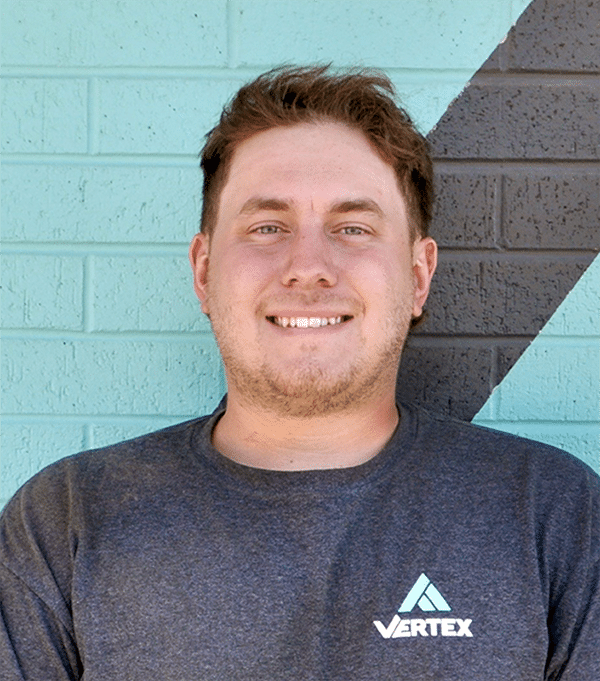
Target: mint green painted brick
[(114, 33), (29, 447), (579, 313), (44, 115), (101, 204), (557, 378), (160, 116), (109, 377), (384, 33), (556, 381), (42, 291), (150, 293), (517, 7), (427, 100)]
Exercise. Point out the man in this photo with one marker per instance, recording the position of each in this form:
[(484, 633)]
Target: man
[(310, 528)]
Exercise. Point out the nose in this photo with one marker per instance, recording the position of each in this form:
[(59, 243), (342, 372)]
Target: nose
[(309, 263)]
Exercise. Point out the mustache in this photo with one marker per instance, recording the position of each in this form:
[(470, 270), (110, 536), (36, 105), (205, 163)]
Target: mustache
[(311, 299)]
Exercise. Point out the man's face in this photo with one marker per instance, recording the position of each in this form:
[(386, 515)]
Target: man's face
[(310, 277)]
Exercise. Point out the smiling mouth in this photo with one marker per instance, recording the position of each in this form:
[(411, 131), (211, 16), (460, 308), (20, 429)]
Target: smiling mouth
[(308, 322)]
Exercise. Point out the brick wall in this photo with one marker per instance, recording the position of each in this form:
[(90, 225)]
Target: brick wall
[(104, 105), (518, 220)]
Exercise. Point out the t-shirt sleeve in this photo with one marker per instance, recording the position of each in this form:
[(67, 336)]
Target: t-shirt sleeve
[(572, 570), (37, 638)]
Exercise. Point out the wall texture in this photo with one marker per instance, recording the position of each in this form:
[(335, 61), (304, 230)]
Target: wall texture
[(518, 219), (104, 105)]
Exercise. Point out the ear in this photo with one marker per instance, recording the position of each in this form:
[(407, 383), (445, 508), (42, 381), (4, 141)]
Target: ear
[(424, 264), (199, 261)]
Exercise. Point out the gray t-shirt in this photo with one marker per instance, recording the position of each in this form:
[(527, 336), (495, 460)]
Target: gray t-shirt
[(456, 553)]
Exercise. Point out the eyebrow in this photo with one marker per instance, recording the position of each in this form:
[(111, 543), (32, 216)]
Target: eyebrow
[(258, 203), (357, 206), (360, 205)]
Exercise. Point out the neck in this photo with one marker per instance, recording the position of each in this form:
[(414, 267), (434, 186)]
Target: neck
[(268, 440)]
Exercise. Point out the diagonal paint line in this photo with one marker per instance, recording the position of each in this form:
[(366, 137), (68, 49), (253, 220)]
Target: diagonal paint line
[(533, 386)]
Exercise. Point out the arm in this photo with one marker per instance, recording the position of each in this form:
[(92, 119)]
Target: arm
[(37, 637), (574, 586)]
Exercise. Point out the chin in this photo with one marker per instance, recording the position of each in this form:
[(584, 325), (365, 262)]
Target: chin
[(310, 391)]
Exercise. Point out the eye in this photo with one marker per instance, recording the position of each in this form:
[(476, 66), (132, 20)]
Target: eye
[(267, 229), (352, 230)]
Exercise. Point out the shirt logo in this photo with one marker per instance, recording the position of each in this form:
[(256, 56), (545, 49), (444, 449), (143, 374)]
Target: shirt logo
[(427, 597)]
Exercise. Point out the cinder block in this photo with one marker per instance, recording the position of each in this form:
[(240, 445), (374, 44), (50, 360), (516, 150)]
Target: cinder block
[(496, 59), (29, 447), (464, 210), (523, 122), (114, 33), (579, 312), (446, 379), (159, 116), (44, 115), (426, 99), (42, 291), (507, 355), (101, 376), (557, 36), (152, 293), (549, 380), (100, 204), (490, 295), (558, 211), (377, 32), (470, 127)]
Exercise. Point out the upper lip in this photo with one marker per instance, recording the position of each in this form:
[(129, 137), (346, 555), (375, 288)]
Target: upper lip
[(314, 313)]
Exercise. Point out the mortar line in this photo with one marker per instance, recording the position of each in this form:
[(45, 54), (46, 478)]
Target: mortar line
[(88, 293), (92, 104), (88, 436)]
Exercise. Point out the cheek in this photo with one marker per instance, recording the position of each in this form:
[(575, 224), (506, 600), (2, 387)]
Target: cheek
[(379, 274), (238, 278)]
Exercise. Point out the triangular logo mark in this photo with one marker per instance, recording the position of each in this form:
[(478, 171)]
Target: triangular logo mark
[(426, 596)]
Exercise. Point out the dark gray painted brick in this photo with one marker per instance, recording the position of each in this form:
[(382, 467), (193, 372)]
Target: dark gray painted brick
[(496, 60), (469, 128), (558, 211), (487, 303), (449, 380), (521, 121), (506, 356), (557, 35), (464, 210), (495, 296)]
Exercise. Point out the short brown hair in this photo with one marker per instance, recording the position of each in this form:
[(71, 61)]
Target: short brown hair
[(361, 99)]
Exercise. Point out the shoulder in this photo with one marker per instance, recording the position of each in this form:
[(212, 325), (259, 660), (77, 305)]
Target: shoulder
[(136, 450), (97, 474), (52, 513), (480, 458)]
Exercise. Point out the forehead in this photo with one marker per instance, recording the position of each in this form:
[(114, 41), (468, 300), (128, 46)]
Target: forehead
[(316, 159)]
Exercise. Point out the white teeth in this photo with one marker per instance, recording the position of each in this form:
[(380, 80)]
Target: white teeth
[(306, 322)]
